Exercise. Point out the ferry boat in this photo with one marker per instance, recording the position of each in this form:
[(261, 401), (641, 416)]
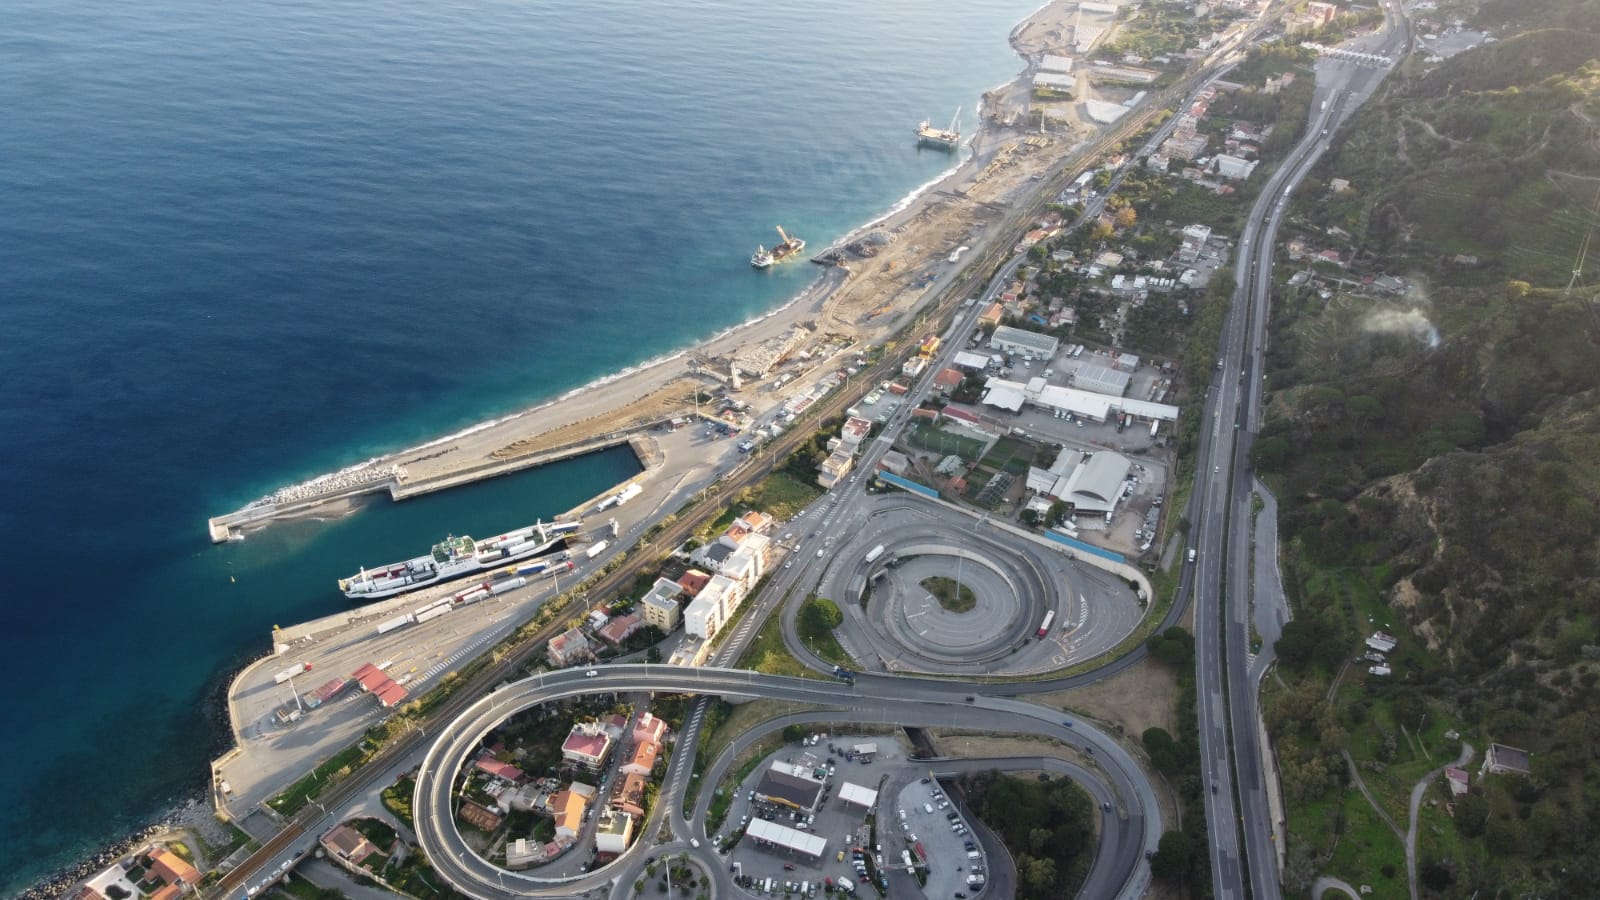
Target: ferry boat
[(457, 557), (780, 251), (940, 138)]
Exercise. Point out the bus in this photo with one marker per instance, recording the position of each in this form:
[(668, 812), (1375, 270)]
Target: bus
[(1044, 627)]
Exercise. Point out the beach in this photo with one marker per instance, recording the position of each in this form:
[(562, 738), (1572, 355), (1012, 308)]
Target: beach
[(860, 303)]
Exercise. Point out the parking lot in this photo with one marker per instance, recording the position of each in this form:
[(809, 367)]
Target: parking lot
[(848, 849), (935, 839)]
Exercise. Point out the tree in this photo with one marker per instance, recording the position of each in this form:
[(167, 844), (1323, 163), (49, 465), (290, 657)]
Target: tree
[(1126, 217), (1029, 517), (1173, 856), (793, 733)]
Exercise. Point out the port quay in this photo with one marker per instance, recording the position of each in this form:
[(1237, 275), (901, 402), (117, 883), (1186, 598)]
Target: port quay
[(391, 478)]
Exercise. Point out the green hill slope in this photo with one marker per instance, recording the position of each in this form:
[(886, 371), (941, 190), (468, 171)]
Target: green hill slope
[(1492, 154), (1437, 461)]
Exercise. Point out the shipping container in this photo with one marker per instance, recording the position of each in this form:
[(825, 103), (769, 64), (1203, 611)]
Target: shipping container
[(511, 585), (595, 549), (397, 622), (431, 613)]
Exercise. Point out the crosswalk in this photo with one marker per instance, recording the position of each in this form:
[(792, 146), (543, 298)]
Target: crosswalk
[(455, 657)]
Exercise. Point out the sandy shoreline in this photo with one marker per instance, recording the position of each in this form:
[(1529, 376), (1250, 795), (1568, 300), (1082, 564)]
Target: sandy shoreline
[(865, 304)]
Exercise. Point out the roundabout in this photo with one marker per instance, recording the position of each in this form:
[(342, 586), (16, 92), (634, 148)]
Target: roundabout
[(998, 587)]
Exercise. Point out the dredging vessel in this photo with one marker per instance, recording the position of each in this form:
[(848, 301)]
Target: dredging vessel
[(780, 251), (940, 138), (457, 557)]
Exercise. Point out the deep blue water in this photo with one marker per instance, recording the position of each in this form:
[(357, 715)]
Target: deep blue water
[(245, 243)]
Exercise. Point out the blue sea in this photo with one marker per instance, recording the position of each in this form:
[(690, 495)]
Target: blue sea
[(246, 243)]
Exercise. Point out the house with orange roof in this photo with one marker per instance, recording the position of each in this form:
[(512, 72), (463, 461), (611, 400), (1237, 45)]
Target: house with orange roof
[(166, 892), (173, 868), (567, 807), (629, 796), (990, 315), (693, 582), (348, 843), (643, 761)]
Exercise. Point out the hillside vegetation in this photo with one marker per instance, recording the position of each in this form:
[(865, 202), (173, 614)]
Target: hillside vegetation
[(1437, 460), (1492, 155)]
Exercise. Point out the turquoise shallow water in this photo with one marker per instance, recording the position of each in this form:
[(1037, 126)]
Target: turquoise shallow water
[(243, 244)]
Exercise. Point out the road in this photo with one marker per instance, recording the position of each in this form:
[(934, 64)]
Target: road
[(905, 701), (1243, 848)]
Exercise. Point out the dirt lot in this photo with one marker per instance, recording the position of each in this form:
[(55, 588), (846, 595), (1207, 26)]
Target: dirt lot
[(1141, 697)]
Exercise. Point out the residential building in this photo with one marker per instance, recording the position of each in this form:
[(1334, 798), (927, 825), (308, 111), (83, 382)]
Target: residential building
[(172, 868), (621, 628), (587, 746), (1457, 779), (836, 467), (693, 582), (991, 315), (1015, 340), (649, 728), (614, 831), (660, 605), (522, 853), (567, 648), (714, 606), (1194, 243), (643, 761), (629, 795), (504, 771), (348, 843), (567, 808), (947, 380)]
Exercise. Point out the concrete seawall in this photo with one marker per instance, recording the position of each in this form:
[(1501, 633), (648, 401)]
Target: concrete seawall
[(235, 525)]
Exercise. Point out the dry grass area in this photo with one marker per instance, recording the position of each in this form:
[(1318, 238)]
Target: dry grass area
[(1142, 697), (967, 745)]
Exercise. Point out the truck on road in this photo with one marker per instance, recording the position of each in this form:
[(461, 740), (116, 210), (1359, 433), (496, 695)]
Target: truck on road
[(874, 553)]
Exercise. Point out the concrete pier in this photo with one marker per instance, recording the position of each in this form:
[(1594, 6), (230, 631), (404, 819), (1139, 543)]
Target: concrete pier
[(235, 525)]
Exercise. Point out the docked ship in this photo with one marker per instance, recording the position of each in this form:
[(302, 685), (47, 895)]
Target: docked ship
[(940, 138), (457, 557), (780, 251)]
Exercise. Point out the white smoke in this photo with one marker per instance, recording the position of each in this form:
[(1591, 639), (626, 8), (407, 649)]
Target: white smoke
[(1408, 323)]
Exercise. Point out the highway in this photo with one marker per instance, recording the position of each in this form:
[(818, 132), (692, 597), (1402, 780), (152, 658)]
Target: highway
[(904, 701), (1243, 849)]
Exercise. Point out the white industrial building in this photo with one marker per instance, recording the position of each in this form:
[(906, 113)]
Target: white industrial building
[(1233, 166), (863, 797), (788, 838), (1090, 405), (1015, 340), (1051, 62), (972, 362), (1097, 484), (1101, 379), (1054, 81)]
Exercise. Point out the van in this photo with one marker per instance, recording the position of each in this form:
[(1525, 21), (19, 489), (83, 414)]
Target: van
[(927, 808), (973, 854), (1191, 554)]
